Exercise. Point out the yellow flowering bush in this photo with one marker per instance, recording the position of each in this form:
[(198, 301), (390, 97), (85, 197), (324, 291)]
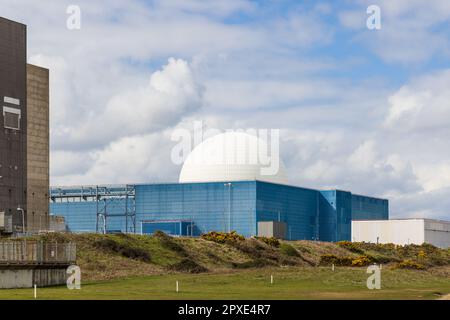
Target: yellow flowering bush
[(223, 237)]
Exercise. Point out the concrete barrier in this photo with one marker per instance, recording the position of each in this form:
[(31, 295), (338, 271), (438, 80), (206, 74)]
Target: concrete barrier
[(23, 277), (24, 264)]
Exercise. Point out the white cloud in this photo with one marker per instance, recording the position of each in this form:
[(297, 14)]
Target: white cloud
[(411, 31), (170, 94), (422, 104), (134, 159)]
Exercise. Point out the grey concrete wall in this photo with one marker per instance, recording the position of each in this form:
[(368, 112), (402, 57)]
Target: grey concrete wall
[(50, 277), (27, 277), (37, 148), (16, 278), (437, 233)]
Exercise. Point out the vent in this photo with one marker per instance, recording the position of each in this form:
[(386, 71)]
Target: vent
[(11, 118)]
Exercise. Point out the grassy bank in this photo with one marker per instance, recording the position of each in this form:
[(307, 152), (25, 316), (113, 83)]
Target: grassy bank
[(108, 257), (227, 266)]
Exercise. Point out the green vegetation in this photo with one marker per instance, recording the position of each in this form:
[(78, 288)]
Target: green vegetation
[(223, 237), (409, 264), (329, 259), (271, 241), (289, 283), (228, 266), (288, 250)]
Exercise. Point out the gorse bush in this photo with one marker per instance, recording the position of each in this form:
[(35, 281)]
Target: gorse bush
[(362, 261), (223, 237), (410, 264), (350, 246), (271, 241), (422, 255), (329, 259)]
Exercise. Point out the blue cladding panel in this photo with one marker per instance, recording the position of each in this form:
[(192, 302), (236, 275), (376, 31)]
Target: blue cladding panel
[(81, 215), (344, 215), (335, 215), (327, 216), (212, 206), (176, 228), (298, 207), (368, 208)]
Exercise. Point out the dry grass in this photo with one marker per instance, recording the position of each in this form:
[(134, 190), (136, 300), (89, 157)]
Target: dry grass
[(106, 257)]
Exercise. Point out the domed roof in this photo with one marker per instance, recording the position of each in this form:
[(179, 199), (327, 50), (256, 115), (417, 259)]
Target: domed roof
[(232, 156)]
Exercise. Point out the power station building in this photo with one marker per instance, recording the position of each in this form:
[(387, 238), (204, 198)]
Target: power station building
[(24, 135), (221, 187), (225, 195)]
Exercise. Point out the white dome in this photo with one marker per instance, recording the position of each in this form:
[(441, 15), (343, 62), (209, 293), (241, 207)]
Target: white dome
[(232, 156)]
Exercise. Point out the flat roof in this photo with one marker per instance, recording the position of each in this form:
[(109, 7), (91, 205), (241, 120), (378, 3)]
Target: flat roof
[(87, 187), (405, 219)]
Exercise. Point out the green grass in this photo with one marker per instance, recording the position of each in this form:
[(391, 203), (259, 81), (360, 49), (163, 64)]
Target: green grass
[(289, 283)]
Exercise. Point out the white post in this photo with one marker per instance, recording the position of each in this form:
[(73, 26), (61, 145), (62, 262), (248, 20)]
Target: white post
[(35, 291), (271, 279), (177, 286), (332, 267)]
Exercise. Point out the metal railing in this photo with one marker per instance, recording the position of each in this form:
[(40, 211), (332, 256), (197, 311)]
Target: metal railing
[(36, 253)]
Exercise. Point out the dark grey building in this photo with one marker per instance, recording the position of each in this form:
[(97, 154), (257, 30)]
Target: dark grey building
[(24, 135), (13, 128)]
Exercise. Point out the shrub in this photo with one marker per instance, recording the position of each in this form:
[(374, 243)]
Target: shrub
[(188, 265), (384, 259), (303, 249), (350, 246), (387, 246), (223, 237), (125, 250), (169, 243), (329, 259), (362, 261), (429, 247), (272, 241), (409, 264), (422, 255), (288, 250)]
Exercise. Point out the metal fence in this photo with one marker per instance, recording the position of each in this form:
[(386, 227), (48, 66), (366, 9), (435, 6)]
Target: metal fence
[(36, 252)]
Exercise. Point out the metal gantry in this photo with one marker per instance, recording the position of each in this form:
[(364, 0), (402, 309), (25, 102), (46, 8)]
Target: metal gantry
[(110, 201)]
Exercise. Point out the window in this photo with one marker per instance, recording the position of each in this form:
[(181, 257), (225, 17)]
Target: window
[(11, 118)]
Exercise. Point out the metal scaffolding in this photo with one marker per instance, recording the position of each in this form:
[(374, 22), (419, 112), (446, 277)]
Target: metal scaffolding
[(110, 201)]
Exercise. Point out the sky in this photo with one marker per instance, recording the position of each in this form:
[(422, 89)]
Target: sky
[(358, 109)]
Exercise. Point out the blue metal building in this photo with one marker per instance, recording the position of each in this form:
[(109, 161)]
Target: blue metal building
[(195, 208)]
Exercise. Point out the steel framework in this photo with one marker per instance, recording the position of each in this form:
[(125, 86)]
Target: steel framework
[(110, 201)]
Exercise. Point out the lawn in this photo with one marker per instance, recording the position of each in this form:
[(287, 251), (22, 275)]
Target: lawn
[(289, 283)]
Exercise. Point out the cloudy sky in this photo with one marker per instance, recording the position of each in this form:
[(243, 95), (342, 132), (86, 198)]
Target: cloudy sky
[(361, 110)]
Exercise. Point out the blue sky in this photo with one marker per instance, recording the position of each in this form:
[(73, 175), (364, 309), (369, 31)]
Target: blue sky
[(358, 109)]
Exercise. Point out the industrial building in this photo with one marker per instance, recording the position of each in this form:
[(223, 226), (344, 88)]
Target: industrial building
[(24, 135), (403, 232), (221, 196)]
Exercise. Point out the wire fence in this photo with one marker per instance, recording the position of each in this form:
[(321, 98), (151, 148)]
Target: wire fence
[(36, 252)]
